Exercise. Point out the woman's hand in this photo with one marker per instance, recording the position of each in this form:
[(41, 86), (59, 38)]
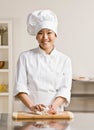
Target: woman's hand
[(38, 107), (58, 101), (52, 110)]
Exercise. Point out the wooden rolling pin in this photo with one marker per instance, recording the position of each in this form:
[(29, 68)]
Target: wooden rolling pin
[(26, 115)]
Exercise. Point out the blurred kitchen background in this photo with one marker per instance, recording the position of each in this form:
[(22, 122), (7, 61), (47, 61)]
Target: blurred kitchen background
[(75, 38)]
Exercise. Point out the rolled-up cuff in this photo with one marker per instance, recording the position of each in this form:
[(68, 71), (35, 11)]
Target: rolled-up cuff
[(20, 88), (64, 94)]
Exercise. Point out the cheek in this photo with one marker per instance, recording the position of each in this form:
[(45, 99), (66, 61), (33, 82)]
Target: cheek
[(53, 38), (37, 38)]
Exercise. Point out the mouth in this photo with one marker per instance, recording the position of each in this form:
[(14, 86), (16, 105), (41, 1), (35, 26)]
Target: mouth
[(45, 43)]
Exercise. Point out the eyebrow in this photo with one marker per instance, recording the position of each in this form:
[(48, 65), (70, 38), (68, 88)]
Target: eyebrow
[(46, 29)]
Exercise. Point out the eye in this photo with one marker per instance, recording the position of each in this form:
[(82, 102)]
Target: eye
[(50, 32), (39, 33)]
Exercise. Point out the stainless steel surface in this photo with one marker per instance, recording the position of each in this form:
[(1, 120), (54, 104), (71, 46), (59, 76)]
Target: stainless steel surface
[(81, 121)]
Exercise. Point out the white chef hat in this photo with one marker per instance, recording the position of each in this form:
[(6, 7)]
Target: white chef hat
[(40, 19)]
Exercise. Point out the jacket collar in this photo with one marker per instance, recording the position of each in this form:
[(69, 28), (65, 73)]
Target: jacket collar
[(41, 51)]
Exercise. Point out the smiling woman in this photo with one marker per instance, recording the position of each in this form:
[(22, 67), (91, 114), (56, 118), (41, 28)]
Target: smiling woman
[(46, 39), (44, 74)]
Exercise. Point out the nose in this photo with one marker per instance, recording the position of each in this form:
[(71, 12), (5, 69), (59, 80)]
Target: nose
[(45, 36)]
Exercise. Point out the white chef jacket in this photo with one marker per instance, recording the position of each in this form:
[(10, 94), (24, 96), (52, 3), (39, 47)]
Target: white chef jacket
[(44, 77)]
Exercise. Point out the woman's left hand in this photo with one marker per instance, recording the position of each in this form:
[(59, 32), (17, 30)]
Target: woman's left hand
[(52, 110)]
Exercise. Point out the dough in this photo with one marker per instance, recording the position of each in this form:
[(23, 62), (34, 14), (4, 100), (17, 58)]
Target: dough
[(45, 111)]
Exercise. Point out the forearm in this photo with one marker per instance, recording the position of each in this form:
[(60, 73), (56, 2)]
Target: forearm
[(58, 102), (25, 99)]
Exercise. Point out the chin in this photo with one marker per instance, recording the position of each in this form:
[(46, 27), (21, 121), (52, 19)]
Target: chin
[(46, 47)]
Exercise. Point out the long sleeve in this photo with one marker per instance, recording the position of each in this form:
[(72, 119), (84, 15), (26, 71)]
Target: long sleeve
[(65, 81), (21, 77)]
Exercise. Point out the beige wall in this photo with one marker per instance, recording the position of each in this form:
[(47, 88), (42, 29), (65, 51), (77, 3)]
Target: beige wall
[(76, 29)]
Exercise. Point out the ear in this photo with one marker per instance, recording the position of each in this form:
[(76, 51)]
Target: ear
[(55, 35)]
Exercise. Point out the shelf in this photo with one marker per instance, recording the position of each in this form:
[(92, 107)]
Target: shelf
[(83, 95), (4, 70), (4, 93), (83, 80), (4, 47)]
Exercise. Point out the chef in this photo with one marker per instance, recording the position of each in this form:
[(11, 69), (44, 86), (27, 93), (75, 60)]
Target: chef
[(44, 74)]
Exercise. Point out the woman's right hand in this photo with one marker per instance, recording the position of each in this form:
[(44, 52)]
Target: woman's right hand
[(38, 107)]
